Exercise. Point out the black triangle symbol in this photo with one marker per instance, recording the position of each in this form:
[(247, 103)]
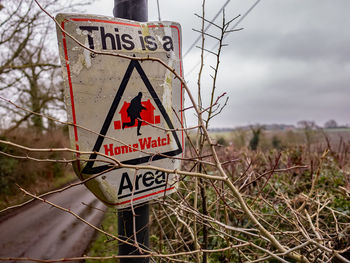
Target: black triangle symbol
[(89, 169)]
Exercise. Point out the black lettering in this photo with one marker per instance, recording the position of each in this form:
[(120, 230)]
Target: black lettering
[(168, 43), (160, 177), (151, 44), (117, 37), (141, 41), (127, 43), (137, 181), (90, 38), (148, 179), (104, 36), (125, 183)]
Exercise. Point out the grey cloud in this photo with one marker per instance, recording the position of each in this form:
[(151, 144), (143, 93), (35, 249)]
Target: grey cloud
[(291, 61), (307, 30)]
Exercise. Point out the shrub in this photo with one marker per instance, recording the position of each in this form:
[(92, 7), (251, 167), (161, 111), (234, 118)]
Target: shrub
[(26, 172)]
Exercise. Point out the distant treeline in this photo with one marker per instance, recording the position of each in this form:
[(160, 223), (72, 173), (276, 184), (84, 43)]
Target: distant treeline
[(331, 124)]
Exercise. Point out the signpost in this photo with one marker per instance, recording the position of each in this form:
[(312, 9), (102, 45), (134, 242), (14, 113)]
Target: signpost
[(123, 109), (131, 109)]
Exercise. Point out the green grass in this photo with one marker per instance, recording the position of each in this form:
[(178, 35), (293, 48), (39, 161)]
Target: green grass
[(60, 181), (104, 246)]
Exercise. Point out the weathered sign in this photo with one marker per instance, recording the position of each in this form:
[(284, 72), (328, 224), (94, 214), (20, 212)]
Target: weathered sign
[(123, 109)]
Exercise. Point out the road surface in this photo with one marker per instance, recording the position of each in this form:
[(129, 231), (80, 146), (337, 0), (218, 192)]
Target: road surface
[(45, 232)]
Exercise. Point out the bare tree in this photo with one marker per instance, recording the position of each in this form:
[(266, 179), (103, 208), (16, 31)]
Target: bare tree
[(231, 206), (331, 124), (29, 68)]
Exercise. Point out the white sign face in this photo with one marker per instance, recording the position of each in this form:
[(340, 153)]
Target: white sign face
[(129, 109)]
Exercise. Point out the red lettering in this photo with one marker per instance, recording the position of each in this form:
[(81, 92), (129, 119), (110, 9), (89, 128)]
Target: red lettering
[(117, 150), (163, 141), (145, 142), (154, 143), (124, 149), (109, 149)]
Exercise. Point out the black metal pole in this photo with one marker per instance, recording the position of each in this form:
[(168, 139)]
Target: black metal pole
[(134, 10), (131, 9), (126, 232)]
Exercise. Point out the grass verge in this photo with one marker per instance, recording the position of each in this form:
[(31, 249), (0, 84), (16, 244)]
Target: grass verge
[(103, 246)]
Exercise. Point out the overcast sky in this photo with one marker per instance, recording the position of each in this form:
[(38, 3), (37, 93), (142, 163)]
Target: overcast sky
[(290, 63)]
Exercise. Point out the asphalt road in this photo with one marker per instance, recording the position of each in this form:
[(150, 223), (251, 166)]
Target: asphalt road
[(45, 232)]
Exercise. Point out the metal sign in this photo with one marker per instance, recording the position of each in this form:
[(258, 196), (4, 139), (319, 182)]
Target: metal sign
[(123, 109)]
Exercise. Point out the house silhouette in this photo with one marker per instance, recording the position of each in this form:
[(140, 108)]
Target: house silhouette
[(147, 115)]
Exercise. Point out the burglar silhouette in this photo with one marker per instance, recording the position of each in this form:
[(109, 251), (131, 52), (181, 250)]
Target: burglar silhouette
[(134, 111)]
